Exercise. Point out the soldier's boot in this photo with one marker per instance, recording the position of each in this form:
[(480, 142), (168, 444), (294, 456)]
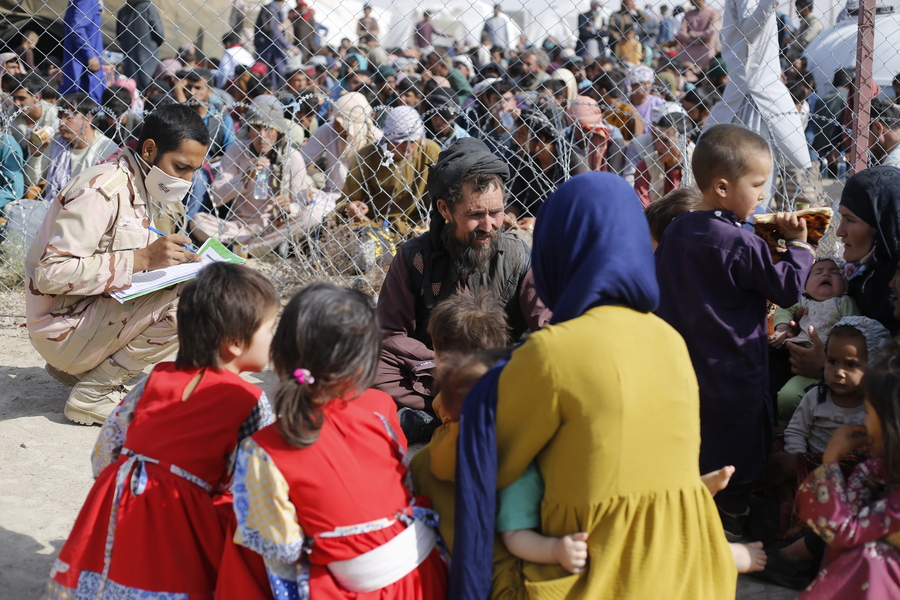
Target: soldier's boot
[(97, 393), (61, 376)]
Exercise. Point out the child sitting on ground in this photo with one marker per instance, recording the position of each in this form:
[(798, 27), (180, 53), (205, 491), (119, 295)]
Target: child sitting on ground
[(859, 516), (854, 343), (164, 457), (823, 303), (715, 278)]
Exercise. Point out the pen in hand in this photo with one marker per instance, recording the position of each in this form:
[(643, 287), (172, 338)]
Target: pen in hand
[(161, 234)]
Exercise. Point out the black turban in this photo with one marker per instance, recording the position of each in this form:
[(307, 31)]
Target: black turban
[(466, 156)]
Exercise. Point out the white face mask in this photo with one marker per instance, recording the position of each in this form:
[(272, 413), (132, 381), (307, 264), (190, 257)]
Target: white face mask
[(165, 188)]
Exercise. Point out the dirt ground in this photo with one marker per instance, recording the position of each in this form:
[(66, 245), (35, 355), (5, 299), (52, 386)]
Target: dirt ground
[(45, 472)]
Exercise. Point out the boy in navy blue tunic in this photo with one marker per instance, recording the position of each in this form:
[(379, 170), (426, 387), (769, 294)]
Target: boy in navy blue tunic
[(715, 277)]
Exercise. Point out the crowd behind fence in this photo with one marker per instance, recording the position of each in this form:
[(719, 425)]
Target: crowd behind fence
[(325, 118)]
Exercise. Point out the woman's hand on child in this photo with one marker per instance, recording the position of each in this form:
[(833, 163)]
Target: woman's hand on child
[(808, 362), (845, 440), (791, 226), (572, 552)]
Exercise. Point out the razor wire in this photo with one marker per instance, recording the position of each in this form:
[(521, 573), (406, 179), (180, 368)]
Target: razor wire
[(526, 79)]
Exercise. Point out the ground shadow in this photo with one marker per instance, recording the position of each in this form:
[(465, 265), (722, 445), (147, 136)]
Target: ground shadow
[(31, 391), (24, 565)]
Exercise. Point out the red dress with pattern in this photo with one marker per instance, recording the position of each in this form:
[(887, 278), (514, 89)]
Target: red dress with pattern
[(352, 474), (153, 520)]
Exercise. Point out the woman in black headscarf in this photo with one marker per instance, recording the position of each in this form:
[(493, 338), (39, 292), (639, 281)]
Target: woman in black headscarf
[(870, 231)]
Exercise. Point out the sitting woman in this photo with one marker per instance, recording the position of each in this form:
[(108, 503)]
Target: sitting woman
[(261, 219), (870, 231), (662, 166), (583, 409), (334, 146)]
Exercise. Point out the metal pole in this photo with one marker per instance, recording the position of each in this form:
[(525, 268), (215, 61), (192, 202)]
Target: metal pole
[(863, 90)]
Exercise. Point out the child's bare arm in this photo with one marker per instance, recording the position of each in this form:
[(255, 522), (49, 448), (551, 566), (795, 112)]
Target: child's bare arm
[(570, 551)]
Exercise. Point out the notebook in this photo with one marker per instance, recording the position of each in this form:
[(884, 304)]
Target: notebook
[(151, 281)]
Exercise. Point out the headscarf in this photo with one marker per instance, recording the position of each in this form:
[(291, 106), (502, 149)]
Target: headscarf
[(354, 113), (878, 338), (638, 75), (464, 157), (403, 124), (874, 196), (362, 63), (591, 248), (586, 114), (567, 77)]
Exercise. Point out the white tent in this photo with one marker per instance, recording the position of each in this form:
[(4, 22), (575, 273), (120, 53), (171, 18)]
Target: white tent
[(339, 17), (835, 48), (460, 20)]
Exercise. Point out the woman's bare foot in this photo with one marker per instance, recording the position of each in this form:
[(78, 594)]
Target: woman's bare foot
[(749, 557), (717, 481)]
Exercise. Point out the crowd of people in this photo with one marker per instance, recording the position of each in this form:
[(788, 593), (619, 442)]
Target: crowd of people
[(555, 225)]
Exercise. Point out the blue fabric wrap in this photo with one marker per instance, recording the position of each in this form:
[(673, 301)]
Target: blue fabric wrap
[(591, 248), (476, 491)]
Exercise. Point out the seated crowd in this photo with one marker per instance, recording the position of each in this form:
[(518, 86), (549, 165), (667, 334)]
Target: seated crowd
[(574, 308)]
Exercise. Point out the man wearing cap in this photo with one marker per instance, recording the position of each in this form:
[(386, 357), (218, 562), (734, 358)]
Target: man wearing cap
[(78, 146), (643, 144), (390, 177), (261, 223), (495, 27), (440, 118), (95, 238), (463, 251)]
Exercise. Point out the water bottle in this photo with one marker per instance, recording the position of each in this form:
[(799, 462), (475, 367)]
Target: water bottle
[(386, 227), (261, 185)]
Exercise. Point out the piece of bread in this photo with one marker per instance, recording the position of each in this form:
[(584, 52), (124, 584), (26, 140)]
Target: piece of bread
[(817, 220)]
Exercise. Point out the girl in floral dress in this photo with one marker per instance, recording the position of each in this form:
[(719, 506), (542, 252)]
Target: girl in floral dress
[(859, 518)]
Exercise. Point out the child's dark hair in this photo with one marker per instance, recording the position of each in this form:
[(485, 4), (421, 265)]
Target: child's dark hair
[(466, 322), (459, 373), (725, 151), (332, 333), (224, 304), (674, 204), (847, 331), (882, 383)]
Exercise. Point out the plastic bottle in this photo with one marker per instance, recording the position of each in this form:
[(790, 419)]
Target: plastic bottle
[(261, 185)]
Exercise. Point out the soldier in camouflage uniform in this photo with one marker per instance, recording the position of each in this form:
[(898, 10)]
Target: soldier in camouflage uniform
[(94, 238)]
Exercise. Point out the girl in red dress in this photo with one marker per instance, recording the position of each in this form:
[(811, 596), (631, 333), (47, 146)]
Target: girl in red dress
[(323, 494), (153, 526)]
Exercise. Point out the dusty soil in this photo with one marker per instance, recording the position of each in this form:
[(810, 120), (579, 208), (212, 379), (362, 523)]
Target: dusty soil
[(45, 471)]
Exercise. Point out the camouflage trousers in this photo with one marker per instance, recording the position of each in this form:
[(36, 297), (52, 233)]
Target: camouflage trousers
[(135, 334)]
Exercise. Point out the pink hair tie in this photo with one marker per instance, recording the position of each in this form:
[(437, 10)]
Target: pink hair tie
[(304, 376)]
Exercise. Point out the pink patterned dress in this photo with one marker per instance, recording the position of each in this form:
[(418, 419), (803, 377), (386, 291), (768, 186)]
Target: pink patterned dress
[(860, 520)]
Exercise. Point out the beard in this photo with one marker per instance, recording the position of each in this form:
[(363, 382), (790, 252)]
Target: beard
[(468, 257)]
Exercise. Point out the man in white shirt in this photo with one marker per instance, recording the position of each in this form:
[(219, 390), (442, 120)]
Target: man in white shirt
[(235, 54), (78, 146)]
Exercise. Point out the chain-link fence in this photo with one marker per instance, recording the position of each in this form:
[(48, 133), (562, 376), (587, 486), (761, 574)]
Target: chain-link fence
[(326, 117)]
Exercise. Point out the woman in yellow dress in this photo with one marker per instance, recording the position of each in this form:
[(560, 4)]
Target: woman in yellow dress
[(605, 401)]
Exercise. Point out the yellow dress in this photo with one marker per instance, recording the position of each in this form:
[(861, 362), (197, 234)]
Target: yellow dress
[(608, 405)]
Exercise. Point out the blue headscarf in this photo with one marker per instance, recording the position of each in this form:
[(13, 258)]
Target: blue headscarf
[(591, 248)]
